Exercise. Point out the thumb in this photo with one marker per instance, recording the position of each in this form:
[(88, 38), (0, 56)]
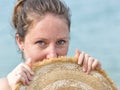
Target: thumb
[(77, 53), (29, 62)]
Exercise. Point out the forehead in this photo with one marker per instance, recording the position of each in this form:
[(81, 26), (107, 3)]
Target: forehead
[(49, 26)]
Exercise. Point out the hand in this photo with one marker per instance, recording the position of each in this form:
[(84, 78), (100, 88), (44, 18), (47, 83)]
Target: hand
[(22, 73), (87, 62)]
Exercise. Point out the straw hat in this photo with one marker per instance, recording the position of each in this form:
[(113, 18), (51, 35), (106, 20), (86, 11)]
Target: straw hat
[(64, 73)]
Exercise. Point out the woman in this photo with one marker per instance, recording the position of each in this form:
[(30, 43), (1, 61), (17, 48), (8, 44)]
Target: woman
[(42, 32)]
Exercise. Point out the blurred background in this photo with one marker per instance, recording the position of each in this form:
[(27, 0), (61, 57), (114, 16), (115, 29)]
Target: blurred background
[(95, 30)]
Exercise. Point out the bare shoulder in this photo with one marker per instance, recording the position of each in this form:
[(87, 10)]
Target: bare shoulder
[(4, 84)]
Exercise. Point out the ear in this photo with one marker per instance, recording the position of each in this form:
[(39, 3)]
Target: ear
[(19, 42)]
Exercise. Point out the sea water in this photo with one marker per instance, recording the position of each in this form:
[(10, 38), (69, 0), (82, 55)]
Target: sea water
[(95, 29)]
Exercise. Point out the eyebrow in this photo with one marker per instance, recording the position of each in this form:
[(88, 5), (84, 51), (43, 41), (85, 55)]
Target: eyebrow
[(65, 38), (42, 38)]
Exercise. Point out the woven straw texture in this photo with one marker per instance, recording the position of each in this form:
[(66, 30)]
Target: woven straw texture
[(64, 73)]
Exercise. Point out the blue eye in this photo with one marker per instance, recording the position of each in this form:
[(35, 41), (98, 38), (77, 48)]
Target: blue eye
[(61, 42), (41, 43)]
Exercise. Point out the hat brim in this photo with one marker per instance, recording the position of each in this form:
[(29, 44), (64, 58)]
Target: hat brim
[(64, 73)]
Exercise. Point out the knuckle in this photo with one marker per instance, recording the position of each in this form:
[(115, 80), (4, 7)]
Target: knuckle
[(97, 62), (86, 55), (91, 58)]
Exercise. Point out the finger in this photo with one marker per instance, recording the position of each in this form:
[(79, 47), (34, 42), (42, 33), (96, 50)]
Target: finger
[(28, 65), (81, 58), (25, 74), (77, 53), (24, 66), (29, 62), (99, 65), (22, 77), (85, 63), (28, 74), (90, 62), (30, 77), (23, 80), (18, 79), (29, 69), (95, 64), (25, 71)]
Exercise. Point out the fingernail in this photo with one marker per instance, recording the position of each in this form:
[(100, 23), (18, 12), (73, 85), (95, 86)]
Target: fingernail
[(28, 83), (31, 78), (84, 69), (29, 62), (79, 62), (32, 73), (87, 72)]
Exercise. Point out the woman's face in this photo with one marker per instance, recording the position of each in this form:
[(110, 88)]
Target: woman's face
[(47, 38)]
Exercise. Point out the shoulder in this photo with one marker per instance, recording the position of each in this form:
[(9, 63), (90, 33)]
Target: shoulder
[(4, 84)]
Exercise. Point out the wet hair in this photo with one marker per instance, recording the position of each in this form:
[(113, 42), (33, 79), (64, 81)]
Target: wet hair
[(27, 11)]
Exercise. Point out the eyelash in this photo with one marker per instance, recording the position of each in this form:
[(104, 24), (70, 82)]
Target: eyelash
[(42, 43), (60, 42)]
